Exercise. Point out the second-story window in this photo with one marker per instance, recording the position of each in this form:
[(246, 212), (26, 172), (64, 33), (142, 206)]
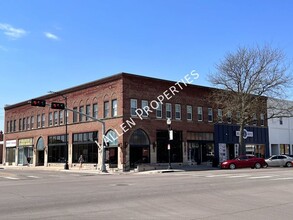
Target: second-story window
[(220, 115), (55, 118), (28, 124), (133, 106), (178, 111), (75, 114), (159, 111), (43, 120), (189, 112), (254, 119), (262, 119), (210, 115), (32, 122), (144, 103), (61, 114), (50, 119), (168, 110), (199, 114), (87, 112), (106, 109), (23, 124), (95, 110), (20, 124), (38, 121), (114, 108), (81, 116)]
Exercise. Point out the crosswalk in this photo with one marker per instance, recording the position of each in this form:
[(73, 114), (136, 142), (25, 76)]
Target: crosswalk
[(248, 177), (32, 177)]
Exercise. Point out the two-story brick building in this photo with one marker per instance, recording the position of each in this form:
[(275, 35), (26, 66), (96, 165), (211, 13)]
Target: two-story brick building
[(134, 109)]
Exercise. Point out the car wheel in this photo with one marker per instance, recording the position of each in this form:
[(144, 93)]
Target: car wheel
[(232, 166), (257, 165), (288, 164), (265, 165)]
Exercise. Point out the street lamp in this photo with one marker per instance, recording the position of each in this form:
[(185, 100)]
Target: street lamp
[(170, 131), (66, 166)]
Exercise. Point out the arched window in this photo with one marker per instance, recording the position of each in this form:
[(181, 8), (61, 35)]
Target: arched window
[(139, 137), (112, 137), (40, 144)]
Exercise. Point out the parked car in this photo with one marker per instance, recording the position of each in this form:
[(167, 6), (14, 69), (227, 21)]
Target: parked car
[(244, 161), (279, 161)]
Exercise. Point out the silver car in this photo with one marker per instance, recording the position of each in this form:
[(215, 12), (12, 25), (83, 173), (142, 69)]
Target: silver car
[(279, 161)]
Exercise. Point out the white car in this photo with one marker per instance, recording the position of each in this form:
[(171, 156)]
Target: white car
[(279, 161)]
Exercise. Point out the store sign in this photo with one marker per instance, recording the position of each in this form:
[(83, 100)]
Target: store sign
[(11, 143), (246, 134), (25, 142)]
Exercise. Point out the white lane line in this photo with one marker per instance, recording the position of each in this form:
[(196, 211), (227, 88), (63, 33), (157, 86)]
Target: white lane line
[(259, 177), (283, 178), (238, 176), (11, 178), (33, 177), (219, 175)]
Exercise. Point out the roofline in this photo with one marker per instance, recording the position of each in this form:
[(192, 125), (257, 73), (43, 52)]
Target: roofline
[(114, 77)]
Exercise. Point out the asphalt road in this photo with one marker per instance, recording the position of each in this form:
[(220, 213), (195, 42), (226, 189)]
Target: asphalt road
[(218, 194)]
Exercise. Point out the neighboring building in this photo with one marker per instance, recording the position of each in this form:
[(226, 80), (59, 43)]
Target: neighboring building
[(134, 109), (281, 131), (1, 146)]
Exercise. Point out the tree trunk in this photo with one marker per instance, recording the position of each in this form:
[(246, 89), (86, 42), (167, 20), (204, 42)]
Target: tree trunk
[(242, 147)]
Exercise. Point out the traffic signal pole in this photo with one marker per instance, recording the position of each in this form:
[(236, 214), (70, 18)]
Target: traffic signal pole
[(57, 105)]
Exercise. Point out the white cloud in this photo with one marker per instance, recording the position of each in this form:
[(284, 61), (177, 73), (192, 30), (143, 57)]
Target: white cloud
[(11, 32), (51, 36), (3, 48)]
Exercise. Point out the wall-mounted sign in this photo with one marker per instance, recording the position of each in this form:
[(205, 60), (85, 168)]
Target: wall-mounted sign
[(10, 143), (25, 142), (246, 134)]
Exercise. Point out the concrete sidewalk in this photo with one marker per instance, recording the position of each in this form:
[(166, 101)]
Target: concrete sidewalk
[(152, 170)]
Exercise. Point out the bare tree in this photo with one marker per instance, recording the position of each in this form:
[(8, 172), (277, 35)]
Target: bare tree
[(245, 79)]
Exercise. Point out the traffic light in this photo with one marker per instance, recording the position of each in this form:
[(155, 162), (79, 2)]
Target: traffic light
[(38, 102), (57, 105)]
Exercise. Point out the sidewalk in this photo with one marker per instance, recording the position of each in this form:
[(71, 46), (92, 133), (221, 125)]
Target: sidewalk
[(148, 169)]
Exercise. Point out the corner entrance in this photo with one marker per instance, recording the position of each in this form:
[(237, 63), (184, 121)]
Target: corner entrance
[(139, 148)]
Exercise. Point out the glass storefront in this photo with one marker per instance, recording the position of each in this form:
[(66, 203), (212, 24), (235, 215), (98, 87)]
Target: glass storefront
[(84, 144), (25, 151), (56, 149), (175, 147)]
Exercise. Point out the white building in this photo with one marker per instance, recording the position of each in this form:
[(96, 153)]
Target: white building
[(280, 132)]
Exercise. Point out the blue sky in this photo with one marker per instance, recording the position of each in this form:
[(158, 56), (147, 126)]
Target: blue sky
[(57, 44)]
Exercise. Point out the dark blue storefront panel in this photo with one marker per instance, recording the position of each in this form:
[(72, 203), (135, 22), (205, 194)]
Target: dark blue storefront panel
[(227, 134)]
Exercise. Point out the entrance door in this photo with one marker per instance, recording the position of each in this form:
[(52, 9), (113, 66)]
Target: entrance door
[(40, 158), (139, 155)]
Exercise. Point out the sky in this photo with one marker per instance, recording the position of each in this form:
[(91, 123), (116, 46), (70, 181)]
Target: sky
[(51, 45)]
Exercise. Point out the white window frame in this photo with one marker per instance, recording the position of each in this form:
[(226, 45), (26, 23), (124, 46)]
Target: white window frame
[(133, 107), (189, 112), (177, 110), (199, 114), (210, 115)]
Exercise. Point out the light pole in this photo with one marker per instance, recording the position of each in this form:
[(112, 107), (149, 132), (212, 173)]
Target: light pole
[(170, 131), (66, 166)]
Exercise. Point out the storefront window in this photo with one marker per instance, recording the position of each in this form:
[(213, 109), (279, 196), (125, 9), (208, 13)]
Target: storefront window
[(56, 149), (84, 144)]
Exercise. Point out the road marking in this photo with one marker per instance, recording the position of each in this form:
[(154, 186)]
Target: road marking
[(283, 178), (238, 176), (33, 177), (11, 178), (219, 175), (259, 177)]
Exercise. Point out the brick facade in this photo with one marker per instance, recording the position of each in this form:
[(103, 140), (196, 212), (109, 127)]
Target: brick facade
[(121, 87)]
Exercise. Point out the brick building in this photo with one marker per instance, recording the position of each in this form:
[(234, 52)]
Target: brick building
[(1, 146), (134, 109)]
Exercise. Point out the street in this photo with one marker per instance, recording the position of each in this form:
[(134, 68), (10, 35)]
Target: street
[(214, 194)]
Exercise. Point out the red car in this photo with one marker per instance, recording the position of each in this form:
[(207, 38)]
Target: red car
[(244, 161)]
